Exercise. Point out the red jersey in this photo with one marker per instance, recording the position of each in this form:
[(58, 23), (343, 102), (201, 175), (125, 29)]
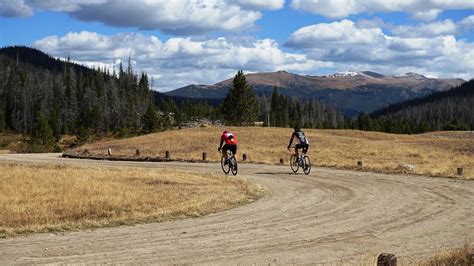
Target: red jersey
[(229, 138)]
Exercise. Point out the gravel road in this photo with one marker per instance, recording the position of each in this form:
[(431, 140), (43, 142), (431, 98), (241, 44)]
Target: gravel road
[(329, 216)]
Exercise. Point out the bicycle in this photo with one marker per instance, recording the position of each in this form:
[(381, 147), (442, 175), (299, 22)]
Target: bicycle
[(229, 164), (300, 161)]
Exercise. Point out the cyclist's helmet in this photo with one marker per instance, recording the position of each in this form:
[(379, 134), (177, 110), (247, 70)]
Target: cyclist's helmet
[(297, 129), (225, 131)]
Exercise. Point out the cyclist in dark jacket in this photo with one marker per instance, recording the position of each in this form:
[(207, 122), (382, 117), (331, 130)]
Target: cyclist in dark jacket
[(303, 142)]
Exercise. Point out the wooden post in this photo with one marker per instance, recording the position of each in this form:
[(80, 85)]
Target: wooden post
[(386, 259), (109, 152), (167, 155), (359, 164), (282, 161), (137, 152), (460, 171), (245, 157), (204, 156)]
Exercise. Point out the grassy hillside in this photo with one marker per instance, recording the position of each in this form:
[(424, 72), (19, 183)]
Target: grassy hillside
[(437, 153)]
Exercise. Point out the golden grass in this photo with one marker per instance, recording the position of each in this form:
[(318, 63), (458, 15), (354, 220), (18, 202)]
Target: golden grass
[(57, 198), (454, 256), (436, 154)]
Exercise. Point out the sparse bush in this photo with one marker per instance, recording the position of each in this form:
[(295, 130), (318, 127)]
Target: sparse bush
[(456, 256)]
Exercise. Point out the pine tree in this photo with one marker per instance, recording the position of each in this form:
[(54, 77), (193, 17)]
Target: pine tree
[(42, 138), (3, 122), (363, 121), (167, 122), (240, 105), (298, 115), (178, 116), (151, 119), (143, 86), (2, 117)]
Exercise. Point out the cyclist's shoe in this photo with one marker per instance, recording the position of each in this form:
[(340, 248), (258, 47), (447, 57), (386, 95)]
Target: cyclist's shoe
[(226, 162)]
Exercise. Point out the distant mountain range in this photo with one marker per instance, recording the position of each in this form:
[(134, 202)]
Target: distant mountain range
[(351, 92)]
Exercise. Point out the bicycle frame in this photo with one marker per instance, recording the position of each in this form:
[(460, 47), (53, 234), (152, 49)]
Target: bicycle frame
[(229, 164), (302, 160)]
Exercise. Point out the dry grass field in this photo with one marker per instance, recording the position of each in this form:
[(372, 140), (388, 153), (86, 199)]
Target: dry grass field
[(58, 198), (453, 256), (436, 153)]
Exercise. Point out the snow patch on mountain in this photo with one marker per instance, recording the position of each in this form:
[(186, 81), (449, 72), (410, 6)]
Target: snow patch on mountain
[(344, 74)]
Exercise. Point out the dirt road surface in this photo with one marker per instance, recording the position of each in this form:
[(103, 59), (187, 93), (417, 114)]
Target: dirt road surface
[(329, 216)]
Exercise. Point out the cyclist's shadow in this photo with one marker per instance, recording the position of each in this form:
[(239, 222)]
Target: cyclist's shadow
[(278, 173)]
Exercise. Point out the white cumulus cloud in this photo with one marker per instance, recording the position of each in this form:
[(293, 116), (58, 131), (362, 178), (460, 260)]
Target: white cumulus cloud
[(445, 27), (262, 4), (344, 32), (349, 46), (468, 22), (15, 8), (177, 62), (177, 17), (421, 9), (63, 5)]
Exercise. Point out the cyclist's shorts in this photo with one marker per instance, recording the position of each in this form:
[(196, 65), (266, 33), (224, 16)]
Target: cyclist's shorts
[(230, 147), (305, 147)]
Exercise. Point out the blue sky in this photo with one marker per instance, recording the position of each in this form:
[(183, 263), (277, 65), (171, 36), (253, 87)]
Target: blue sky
[(182, 42)]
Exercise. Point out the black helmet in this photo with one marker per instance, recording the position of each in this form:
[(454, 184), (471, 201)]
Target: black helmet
[(297, 129)]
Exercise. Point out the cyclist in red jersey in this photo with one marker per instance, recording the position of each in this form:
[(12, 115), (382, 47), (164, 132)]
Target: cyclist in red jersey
[(230, 143)]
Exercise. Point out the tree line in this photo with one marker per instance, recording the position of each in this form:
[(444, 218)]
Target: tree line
[(284, 111), (183, 110), (446, 110), (243, 107), (238, 108), (47, 98)]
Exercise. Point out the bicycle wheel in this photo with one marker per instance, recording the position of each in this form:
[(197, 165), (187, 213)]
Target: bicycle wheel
[(233, 162), (225, 167), (306, 165), (294, 163)]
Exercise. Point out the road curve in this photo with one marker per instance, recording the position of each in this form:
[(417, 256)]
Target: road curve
[(329, 216)]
